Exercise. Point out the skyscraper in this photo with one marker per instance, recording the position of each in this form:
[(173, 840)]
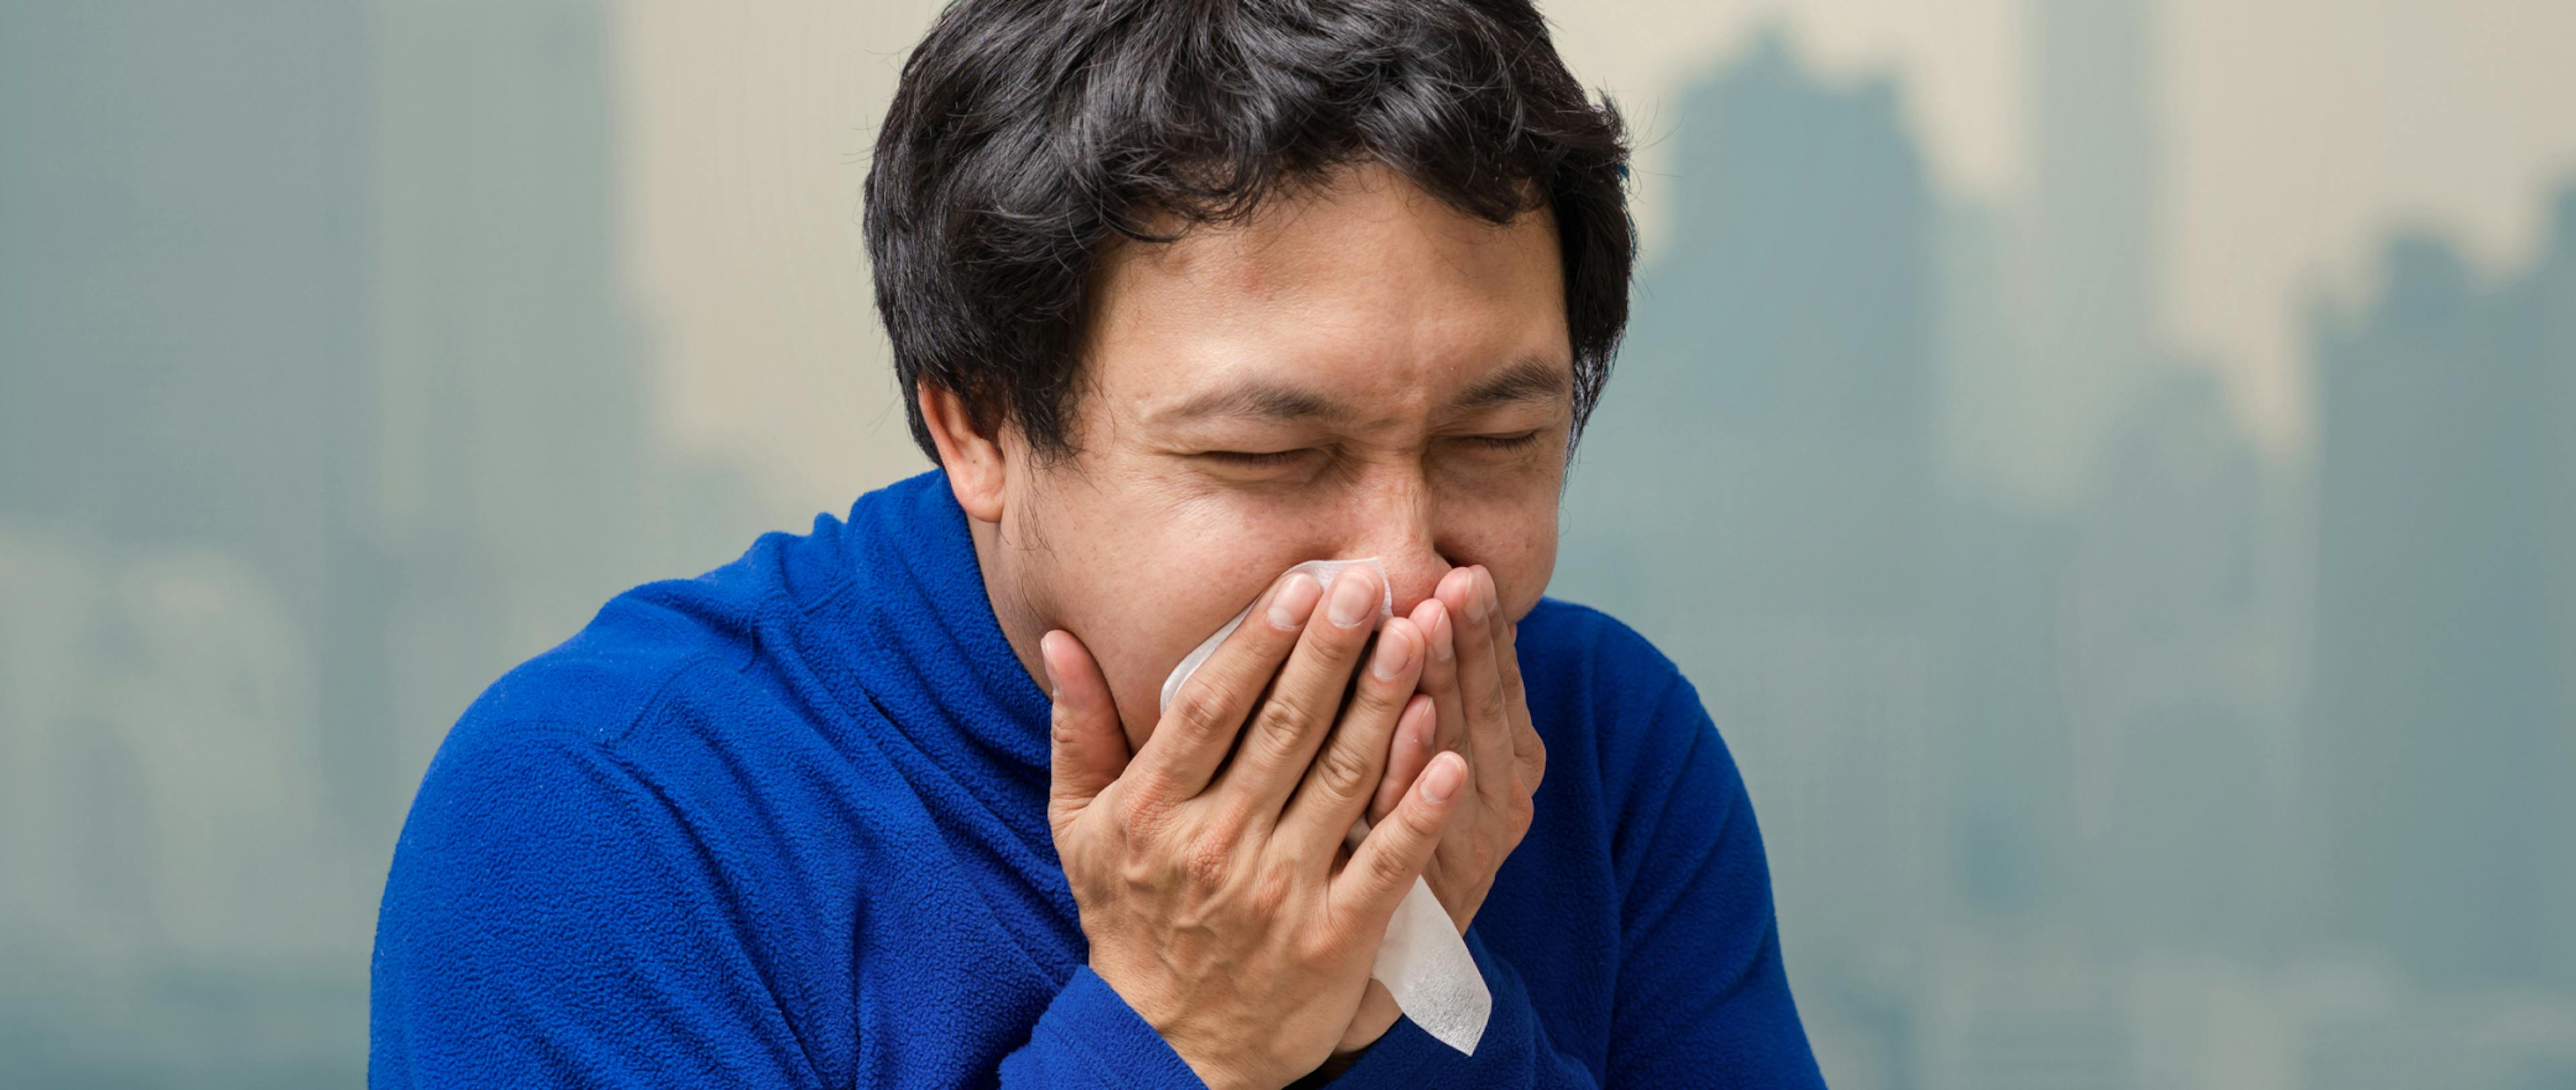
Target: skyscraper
[(183, 392), (2443, 722), (2086, 261), (320, 405), (1755, 494)]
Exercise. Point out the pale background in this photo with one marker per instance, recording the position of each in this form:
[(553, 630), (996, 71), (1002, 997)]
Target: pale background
[(2128, 539)]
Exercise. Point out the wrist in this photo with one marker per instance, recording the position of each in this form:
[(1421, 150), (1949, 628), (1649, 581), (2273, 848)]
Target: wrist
[(1210, 1066), (1167, 1021), (1220, 1078)]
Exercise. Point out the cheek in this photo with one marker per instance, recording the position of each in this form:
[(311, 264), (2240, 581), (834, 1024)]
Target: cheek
[(1514, 536), (1522, 577), (1529, 582), (1173, 582)]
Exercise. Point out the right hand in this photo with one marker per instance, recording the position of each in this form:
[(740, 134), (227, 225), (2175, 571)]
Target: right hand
[(1215, 893)]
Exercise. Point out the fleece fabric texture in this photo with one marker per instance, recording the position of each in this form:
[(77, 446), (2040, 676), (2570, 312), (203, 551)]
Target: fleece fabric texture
[(784, 825)]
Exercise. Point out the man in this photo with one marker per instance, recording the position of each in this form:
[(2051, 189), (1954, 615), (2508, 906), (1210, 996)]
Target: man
[(1183, 292)]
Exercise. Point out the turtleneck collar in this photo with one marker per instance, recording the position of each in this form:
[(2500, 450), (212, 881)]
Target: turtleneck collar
[(926, 645)]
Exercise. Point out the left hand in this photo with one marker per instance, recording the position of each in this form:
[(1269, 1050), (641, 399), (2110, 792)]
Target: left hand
[(1473, 675)]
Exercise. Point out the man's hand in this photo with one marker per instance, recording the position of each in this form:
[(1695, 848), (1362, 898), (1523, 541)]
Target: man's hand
[(1213, 888), (1474, 680)]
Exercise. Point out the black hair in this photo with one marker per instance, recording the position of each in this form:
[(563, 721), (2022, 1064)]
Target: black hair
[(1028, 134)]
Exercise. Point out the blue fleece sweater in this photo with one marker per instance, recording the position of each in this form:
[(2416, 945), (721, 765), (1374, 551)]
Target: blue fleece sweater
[(784, 825)]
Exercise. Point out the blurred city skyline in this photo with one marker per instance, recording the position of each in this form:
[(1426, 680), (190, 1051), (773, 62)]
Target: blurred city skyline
[(2128, 699), (2094, 747), (2293, 136)]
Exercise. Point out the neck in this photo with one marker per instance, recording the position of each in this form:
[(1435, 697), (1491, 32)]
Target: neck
[(1022, 623)]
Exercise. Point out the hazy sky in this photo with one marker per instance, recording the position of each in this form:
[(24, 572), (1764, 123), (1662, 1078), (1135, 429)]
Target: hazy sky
[(2297, 133)]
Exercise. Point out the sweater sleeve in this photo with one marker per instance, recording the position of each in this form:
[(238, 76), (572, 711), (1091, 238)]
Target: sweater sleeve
[(1700, 997), (1091, 1037), (1514, 1052), (552, 919)]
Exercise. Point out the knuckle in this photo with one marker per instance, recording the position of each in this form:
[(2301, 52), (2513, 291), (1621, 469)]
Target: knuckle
[(1200, 713), (1207, 862), (1282, 719), (1061, 730), (1271, 890), (1209, 849), (1343, 772), (1519, 810), (1391, 868)]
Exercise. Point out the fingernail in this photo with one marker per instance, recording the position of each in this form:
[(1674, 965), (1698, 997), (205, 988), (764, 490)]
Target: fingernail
[(1054, 688), (1295, 601), (1441, 780), (1417, 725), (1444, 643), (1477, 607), (1352, 599), (1394, 653)]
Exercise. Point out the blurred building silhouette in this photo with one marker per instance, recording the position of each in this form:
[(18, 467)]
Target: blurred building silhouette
[(188, 589), (2086, 336), (2445, 705), (522, 479), (321, 406), (1756, 494), (2170, 628), (322, 402), (1985, 586)]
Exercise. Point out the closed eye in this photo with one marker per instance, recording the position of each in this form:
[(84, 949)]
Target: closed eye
[(1264, 458), (1505, 442)]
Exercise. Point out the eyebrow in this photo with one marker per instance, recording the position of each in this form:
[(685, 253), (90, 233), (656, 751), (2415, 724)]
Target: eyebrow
[(1528, 379)]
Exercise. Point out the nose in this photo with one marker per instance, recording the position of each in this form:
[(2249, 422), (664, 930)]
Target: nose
[(1395, 522)]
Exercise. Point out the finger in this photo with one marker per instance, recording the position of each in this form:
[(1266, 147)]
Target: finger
[(1087, 745), (1337, 785), (1488, 742), (1415, 741), (1198, 729), (1442, 672), (1498, 742), (1306, 700), (1393, 854), (1406, 754), (1527, 750)]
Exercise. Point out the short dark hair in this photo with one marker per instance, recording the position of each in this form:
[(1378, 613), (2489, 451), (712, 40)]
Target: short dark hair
[(1026, 132)]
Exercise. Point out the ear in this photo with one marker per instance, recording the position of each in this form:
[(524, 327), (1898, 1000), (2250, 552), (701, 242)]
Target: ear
[(976, 470)]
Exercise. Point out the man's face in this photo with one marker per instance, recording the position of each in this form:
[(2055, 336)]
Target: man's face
[(1356, 371)]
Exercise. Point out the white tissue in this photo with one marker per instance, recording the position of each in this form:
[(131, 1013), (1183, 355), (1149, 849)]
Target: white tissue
[(1423, 962)]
